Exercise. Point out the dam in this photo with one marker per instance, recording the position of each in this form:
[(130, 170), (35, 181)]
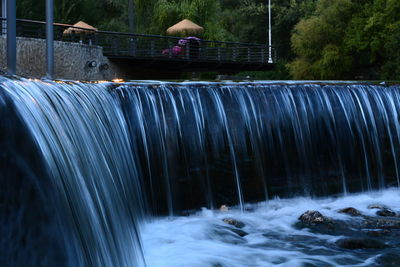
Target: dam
[(95, 173)]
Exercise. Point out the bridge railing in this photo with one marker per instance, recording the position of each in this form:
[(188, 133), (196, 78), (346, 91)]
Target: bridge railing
[(117, 44), (163, 47)]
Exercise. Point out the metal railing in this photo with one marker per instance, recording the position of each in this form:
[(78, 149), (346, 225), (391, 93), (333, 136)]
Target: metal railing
[(128, 45)]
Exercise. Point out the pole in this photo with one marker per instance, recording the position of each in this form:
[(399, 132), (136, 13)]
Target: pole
[(11, 37), (269, 34), (132, 26), (4, 16), (131, 16), (50, 38)]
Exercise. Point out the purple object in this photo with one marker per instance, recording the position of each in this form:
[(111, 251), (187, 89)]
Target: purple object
[(176, 50), (184, 41), (179, 49)]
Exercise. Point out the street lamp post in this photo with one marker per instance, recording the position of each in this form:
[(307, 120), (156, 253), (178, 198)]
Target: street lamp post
[(11, 37), (9, 11), (50, 38), (269, 34), (3, 15)]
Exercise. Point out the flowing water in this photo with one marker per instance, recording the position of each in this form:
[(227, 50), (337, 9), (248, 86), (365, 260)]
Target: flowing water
[(273, 239), (93, 160), (205, 144), (83, 138)]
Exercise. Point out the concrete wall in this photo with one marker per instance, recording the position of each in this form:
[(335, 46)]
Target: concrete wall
[(71, 60)]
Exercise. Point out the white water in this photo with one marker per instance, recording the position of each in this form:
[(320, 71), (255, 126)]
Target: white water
[(203, 239), (83, 137), (310, 137)]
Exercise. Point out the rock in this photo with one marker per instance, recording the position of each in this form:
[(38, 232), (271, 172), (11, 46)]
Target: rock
[(390, 259), (350, 243), (380, 223), (317, 222), (351, 211), (314, 217), (234, 222), (383, 210), (239, 232), (377, 206), (386, 213), (224, 208), (379, 233)]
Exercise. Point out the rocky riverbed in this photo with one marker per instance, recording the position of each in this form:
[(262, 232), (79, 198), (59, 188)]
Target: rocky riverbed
[(355, 230)]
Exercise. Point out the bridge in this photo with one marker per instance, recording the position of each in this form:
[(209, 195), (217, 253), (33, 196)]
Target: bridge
[(158, 52), (142, 53)]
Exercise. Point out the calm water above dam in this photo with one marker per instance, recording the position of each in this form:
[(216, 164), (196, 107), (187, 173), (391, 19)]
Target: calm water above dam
[(97, 173)]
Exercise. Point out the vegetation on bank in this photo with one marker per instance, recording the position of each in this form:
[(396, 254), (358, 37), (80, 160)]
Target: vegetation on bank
[(314, 39)]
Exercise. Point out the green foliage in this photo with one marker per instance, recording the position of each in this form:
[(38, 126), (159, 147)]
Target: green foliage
[(280, 72), (314, 39), (286, 15), (317, 42), (348, 39), (31, 9), (203, 12), (94, 12), (253, 8)]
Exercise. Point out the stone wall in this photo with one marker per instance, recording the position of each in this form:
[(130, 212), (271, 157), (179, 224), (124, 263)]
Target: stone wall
[(73, 61)]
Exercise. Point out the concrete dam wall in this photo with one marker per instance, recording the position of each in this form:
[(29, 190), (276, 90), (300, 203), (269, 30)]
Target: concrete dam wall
[(73, 61)]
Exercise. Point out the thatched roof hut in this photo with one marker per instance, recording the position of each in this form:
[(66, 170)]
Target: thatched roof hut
[(80, 28), (185, 27)]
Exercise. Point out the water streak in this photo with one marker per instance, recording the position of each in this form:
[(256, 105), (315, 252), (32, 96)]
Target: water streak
[(208, 144), (84, 139)]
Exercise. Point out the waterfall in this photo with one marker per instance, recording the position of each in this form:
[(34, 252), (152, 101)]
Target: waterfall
[(102, 156), (209, 144), (83, 138)]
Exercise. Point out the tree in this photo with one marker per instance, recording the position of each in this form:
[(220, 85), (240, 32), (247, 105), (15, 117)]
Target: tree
[(374, 40), (318, 41), (131, 15), (203, 12), (348, 39), (285, 15)]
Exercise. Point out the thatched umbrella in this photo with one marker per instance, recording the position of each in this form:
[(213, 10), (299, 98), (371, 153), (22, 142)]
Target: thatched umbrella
[(185, 27), (81, 28)]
